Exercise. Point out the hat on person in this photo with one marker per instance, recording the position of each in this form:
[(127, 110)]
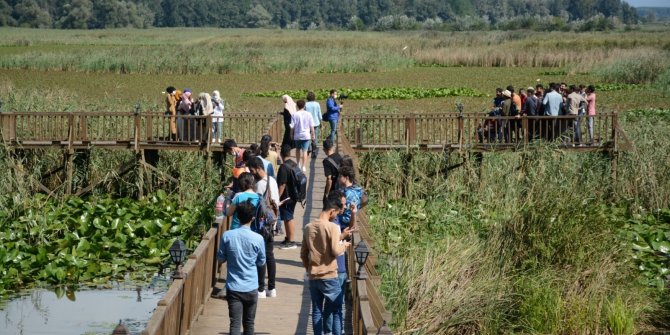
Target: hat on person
[(170, 89), (187, 90), (507, 93), (530, 88), (216, 94)]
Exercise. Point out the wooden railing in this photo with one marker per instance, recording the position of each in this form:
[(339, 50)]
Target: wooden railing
[(369, 313), (186, 296), (126, 129), (472, 131)]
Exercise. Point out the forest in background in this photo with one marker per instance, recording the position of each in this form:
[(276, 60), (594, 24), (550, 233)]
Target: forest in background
[(455, 15)]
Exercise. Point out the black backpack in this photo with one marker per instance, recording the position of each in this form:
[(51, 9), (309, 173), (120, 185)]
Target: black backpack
[(265, 217), (513, 111), (297, 183)]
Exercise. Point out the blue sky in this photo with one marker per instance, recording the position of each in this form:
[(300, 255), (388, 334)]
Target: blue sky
[(649, 3)]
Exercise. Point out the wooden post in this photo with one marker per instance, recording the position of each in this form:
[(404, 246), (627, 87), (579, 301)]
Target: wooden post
[(359, 137), (139, 165), (138, 124), (461, 129), (410, 130), (524, 127), (149, 127)]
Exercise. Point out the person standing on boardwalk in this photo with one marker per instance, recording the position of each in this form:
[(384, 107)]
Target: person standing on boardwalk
[(244, 251), (334, 324), (332, 115), (285, 180), (354, 194), (266, 183), (322, 242), (217, 117), (171, 110), (287, 114), (331, 164), (303, 133), (314, 109), (591, 109)]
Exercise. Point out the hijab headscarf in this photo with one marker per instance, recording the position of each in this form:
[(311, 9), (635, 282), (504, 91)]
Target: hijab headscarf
[(289, 105)]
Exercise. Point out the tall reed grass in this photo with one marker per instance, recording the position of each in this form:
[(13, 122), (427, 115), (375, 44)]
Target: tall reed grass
[(542, 225), (219, 51)]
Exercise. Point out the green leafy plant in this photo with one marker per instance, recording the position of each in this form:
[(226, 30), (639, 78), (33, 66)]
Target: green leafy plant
[(649, 241), (401, 93), (93, 241)]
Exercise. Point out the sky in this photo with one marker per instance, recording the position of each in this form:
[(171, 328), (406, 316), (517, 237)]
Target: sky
[(648, 3)]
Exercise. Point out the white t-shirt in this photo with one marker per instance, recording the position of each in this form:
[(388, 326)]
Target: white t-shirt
[(274, 190), (301, 123), (218, 110)]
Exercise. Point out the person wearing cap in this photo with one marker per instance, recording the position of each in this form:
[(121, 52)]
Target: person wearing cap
[(171, 110)]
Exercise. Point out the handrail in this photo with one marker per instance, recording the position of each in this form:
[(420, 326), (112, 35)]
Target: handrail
[(477, 131), (186, 296), (368, 313)]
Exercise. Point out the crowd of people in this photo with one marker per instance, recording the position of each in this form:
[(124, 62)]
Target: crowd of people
[(260, 176), (179, 105), (557, 99)]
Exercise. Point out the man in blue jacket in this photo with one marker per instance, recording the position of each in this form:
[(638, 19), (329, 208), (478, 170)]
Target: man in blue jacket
[(332, 113), (244, 251)]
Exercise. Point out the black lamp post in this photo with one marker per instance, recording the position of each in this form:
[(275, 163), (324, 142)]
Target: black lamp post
[(177, 253), (362, 253), (137, 109)]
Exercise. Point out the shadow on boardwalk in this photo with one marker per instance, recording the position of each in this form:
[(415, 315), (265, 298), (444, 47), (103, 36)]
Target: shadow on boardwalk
[(290, 311)]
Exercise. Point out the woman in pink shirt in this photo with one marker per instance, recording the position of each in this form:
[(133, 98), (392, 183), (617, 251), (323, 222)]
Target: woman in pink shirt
[(591, 108)]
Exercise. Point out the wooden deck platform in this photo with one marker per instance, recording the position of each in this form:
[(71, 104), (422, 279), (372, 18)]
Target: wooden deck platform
[(290, 311)]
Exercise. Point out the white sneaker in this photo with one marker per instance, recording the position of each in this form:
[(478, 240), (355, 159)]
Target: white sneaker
[(261, 294), (272, 293), (303, 169)]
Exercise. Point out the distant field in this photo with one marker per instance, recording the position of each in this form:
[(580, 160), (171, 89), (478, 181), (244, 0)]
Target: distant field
[(113, 69)]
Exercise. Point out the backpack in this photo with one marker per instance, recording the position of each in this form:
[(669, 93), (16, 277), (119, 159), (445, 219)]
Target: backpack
[(297, 184), (513, 111), (335, 185), (265, 217)]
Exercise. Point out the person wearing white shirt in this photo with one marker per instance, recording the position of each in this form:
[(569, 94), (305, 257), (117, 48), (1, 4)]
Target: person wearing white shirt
[(303, 133), (314, 109)]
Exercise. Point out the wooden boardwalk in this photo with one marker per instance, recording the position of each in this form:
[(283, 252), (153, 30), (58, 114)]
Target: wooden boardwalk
[(289, 312)]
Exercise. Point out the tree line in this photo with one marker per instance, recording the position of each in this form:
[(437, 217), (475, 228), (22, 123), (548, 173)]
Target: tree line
[(316, 14)]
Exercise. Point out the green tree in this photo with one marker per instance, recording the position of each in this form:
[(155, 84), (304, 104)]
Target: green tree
[(76, 14), (258, 17), (29, 14), (6, 18)]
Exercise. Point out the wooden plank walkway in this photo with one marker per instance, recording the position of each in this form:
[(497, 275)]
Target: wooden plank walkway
[(290, 311)]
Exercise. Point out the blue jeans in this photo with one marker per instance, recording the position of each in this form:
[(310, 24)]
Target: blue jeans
[(335, 322), (217, 130), (316, 137), (242, 311), (324, 293), (333, 129)]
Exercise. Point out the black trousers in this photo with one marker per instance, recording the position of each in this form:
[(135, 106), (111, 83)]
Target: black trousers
[(242, 310), (270, 264)]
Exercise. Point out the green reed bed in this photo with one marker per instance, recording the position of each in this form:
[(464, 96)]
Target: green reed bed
[(217, 51), (541, 243)]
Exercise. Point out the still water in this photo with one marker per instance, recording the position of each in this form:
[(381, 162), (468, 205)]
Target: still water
[(88, 312)]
